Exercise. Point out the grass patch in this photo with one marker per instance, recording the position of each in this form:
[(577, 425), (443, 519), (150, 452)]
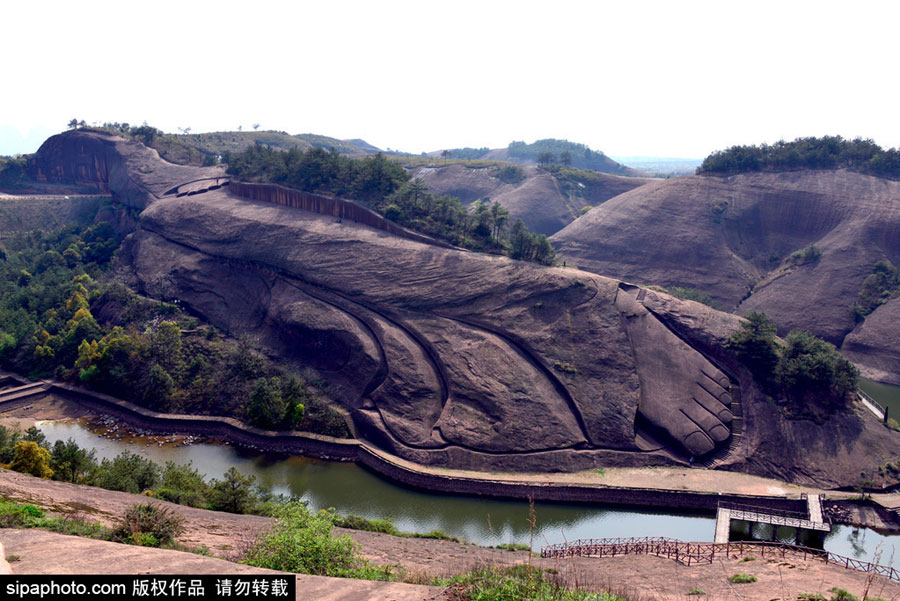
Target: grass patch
[(746, 559), (514, 584), (355, 522), (513, 547), (741, 578), (435, 534), (696, 591)]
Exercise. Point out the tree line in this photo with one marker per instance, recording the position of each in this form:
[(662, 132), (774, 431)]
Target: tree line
[(827, 152), (388, 189)]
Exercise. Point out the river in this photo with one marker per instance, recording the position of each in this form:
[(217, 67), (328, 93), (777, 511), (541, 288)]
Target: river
[(351, 489)]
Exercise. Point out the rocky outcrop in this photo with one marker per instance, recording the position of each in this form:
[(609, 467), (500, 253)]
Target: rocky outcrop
[(453, 358), (110, 164), (874, 344), (733, 238)]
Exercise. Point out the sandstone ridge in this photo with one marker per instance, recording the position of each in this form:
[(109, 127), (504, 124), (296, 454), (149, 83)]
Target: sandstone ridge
[(447, 357)]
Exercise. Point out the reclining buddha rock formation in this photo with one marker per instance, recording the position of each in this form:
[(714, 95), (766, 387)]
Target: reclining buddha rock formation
[(448, 357)]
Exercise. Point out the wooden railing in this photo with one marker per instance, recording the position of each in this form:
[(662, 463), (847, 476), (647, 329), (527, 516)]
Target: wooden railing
[(706, 553)]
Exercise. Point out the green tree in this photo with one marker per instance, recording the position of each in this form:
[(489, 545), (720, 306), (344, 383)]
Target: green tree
[(546, 158), (70, 462), (126, 472), (234, 493), (812, 371), (267, 408), (33, 434), (565, 157), (31, 459), (754, 344), (158, 389), (183, 484)]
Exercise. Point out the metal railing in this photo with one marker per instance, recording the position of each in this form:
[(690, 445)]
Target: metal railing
[(873, 402)]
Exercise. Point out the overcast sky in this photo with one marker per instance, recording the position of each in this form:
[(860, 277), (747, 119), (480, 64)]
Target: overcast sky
[(669, 78)]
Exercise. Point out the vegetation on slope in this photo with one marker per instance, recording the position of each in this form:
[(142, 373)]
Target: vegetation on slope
[(827, 152), (554, 151), (879, 287), (386, 187), (58, 318), (206, 148), (808, 372)]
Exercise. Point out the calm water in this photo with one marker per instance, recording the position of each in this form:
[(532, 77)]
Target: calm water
[(351, 489), (886, 394)]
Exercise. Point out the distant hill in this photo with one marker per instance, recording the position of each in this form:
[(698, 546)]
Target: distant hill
[(218, 143), (798, 245), (559, 152), (545, 199)]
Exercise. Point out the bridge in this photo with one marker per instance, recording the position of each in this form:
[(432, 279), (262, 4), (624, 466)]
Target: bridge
[(812, 520)]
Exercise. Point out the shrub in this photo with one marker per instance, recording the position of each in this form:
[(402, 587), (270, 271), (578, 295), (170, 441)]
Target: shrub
[(754, 344), (741, 578), (810, 254), (692, 294), (510, 174), (148, 525), (812, 368), (839, 594), (301, 542)]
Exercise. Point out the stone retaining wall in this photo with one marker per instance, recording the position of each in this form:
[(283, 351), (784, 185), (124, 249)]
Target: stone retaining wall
[(326, 447)]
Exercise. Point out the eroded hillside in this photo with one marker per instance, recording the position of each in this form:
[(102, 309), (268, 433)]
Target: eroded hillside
[(546, 200), (796, 245), (455, 358)]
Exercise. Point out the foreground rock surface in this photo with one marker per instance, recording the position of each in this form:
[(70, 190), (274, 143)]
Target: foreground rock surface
[(42, 552)]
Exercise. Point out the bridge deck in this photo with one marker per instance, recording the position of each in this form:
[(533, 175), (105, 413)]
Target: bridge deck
[(724, 515)]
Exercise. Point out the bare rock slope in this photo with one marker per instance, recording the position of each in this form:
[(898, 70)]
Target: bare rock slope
[(545, 204), (733, 237), (448, 357)]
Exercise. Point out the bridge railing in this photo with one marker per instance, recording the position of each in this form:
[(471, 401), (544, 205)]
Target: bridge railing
[(706, 553), (872, 402)]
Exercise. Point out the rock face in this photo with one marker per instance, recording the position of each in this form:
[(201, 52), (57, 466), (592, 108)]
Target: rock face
[(538, 200), (111, 164), (732, 238), (448, 357)]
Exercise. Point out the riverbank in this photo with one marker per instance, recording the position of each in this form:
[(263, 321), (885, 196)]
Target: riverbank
[(671, 488)]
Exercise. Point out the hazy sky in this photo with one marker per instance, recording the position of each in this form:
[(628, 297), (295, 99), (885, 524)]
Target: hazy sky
[(669, 78)]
